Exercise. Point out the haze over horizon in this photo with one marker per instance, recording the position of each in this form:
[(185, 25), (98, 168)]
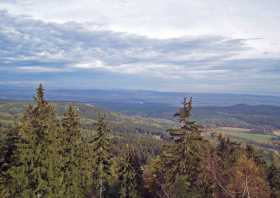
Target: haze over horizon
[(179, 46)]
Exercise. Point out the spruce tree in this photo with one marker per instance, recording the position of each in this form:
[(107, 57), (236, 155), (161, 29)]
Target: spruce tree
[(87, 166), (101, 147), (130, 175), (183, 160), (8, 160), (229, 151), (36, 129), (255, 155), (274, 175), (71, 143)]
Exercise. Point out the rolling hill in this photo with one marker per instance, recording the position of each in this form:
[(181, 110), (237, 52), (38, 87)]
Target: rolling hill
[(243, 123), (10, 110)]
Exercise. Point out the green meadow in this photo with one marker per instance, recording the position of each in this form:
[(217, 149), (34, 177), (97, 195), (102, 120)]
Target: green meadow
[(245, 135)]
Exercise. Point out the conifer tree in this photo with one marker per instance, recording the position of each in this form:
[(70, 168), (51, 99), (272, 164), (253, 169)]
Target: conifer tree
[(101, 147), (274, 175), (153, 179), (130, 175), (183, 160), (36, 129), (229, 151), (8, 160), (70, 142), (87, 166)]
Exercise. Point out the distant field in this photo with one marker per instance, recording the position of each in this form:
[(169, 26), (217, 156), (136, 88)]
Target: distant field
[(246, 135)]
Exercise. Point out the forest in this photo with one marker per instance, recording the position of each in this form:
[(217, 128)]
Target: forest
[(48, 154)]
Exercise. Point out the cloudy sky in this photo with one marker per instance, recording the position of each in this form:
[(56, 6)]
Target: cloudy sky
[(230, 46)]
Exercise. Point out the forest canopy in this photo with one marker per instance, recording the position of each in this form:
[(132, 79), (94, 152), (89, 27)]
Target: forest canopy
[(46, 155)]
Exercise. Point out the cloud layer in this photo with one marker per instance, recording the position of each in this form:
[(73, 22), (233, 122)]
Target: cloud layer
[(62, 54)]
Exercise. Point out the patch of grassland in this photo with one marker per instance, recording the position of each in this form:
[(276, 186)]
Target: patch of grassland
[(245, 135)]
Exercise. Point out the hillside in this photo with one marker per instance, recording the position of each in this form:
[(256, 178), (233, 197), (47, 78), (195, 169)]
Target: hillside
[(89, 113), (258, 125), (259, 118), (159, 117)]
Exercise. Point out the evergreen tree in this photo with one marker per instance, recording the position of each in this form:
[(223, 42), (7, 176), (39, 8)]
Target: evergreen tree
[(87, 166), (55, 163), (229, 151), (255, 155), (71, 151), (42, 157), (8, 160), (152, 179), (130, 175), (36, 129), (274, 175), (183, 161), (101, 147)]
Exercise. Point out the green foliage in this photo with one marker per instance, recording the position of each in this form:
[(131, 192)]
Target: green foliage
[(71, 154), (247, 136), (101, 147), (184, 159), (44, 155), (228, 151), (255, 155), (130, 175), (274, 175), (8, 159), (120, 123), (37, 130)]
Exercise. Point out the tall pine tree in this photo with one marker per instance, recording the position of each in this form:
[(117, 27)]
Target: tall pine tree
[(130, 175), (71, 151), (183, 160), (37, 130), (101, 147), (8, 160), (274, 175)]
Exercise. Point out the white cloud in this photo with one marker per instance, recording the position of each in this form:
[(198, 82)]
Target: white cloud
[(31, 47), (39, 69), (29, 43), (167, 18), (92, 65)]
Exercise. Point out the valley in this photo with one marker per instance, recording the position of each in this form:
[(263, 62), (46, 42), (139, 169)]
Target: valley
[(257, 125)]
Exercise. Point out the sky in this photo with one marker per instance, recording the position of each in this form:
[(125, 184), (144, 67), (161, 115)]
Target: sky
[(230, 46)]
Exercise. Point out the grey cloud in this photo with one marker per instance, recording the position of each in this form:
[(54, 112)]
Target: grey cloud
[(51, 47), (26, 39)]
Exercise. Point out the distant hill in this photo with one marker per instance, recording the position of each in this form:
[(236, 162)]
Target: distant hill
[(158, 117), (260, 113), (252, 124), (10, 110), (137, 97), (259, 118)]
